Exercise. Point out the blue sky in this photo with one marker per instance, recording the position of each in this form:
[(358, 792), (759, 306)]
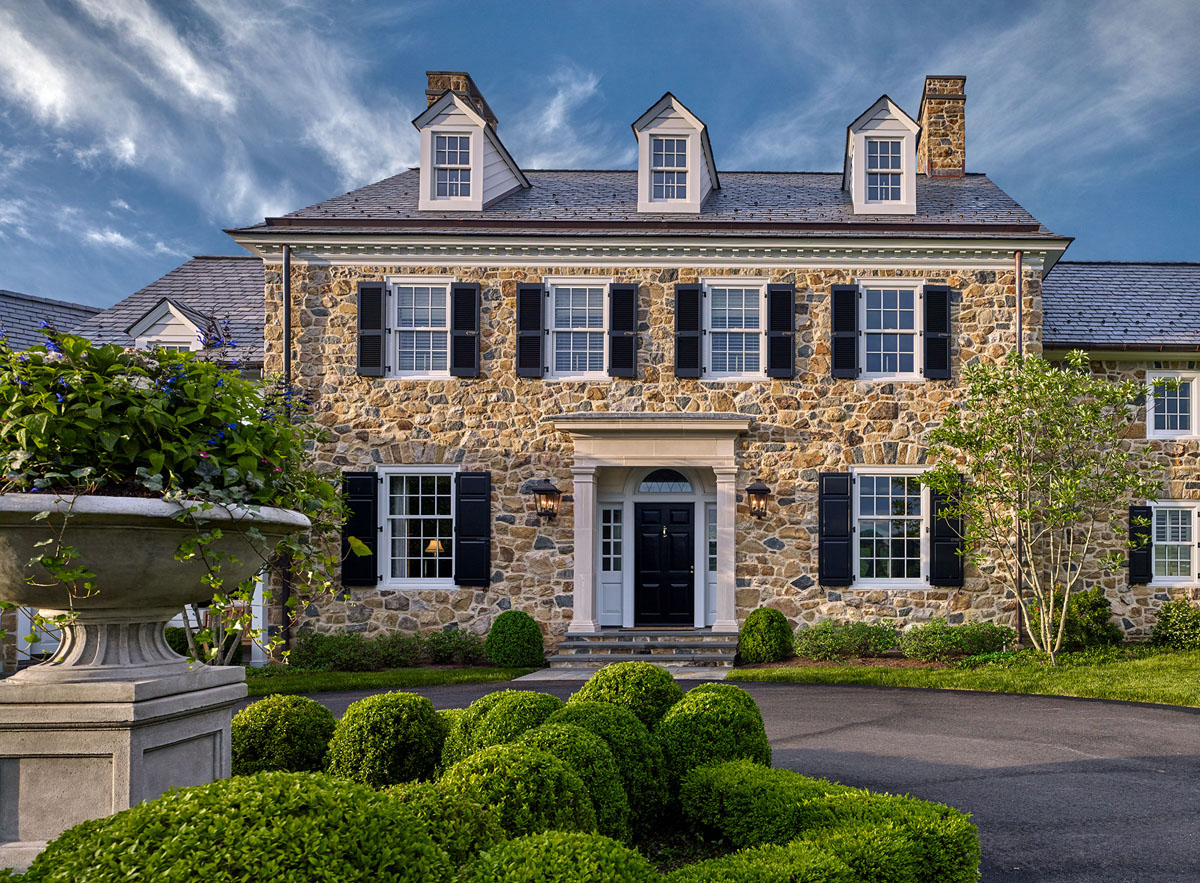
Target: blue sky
[(132, 132)]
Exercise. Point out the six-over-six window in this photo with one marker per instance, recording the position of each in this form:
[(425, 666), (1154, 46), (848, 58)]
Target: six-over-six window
[(452, 165), (891, 330), (884, 167), (1171, 409), (734, 328), (889, 526), (1173, 542), (668, 168), (578, 327), (418, 525)]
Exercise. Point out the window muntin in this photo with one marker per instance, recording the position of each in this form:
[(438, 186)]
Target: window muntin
[(710, 528), (735, 330), (611, 539), (1173, 536), (890, 520), (420, 525), (1172, 409), (891, 319), (578, 330), (452, 165), (665, 481), (422, 334), (668, 168), (884, 167)]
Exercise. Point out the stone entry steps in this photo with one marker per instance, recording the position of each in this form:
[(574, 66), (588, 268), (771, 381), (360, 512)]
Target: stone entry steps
[(688, 647)]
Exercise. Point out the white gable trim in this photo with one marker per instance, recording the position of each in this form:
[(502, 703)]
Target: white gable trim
[(183, 331), (702, 167)]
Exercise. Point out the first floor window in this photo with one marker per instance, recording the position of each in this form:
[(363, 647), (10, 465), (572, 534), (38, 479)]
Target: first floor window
[(890, 520), (420, 525), (421, 329), (577, 329), (735, 329), (1172, 407), (891, 320), (611, 540), (1174, 543)]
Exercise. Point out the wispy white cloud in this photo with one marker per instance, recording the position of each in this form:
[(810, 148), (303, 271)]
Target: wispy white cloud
[(109, 238), (121, 205)]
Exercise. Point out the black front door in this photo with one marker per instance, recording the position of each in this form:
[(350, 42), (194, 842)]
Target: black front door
[(663, 591)]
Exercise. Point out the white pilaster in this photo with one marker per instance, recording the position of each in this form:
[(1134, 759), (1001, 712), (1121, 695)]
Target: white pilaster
[(584, 621), (726, 515)]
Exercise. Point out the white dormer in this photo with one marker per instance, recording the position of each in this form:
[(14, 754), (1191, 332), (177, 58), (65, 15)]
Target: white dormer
[(169, 325), (676, 170), (880, 170), (464, 165)]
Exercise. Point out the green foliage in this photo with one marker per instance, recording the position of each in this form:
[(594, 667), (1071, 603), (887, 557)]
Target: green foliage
[(531, 790), (513, 713), (460, 739), (797, 862), (1177, 625), (589, 758), (387, 739), (718, 723), (341, 651), (645, 689), (1089, 620), (832, 640), (286, 733), (396, 650), (638, 757), (455, 645), (176, 637), (351, 651), (515, 641), (299, 827), (936, 641), (765, 636), (878, 853), (561, 857), (461, 826)]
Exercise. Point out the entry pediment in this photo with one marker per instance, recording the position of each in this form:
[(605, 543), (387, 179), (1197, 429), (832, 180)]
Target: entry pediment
[(642, 438)]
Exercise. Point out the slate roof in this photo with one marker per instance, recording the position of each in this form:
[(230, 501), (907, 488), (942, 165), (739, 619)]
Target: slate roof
[(20, 315), (217, 287), (781, 202), (1122, 305)]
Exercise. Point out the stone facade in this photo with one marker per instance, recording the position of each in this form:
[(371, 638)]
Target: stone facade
[(501, 423), (942, 148)]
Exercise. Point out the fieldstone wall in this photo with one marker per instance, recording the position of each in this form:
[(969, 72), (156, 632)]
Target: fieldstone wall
[(499, 423), (942, 147)]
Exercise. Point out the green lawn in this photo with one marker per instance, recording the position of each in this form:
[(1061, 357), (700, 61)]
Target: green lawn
[(1167, 678), (283, 680)]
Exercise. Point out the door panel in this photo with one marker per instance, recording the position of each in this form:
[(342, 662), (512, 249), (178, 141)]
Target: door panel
[(664, 592)]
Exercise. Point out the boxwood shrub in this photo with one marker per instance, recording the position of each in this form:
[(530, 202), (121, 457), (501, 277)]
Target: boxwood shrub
[(638, 757), (1177, 625), (645, 689), (879, 853), (510, 716), (797, 862), (561, 857), (589, 758), (454, 645), (766, 636), (458, 744), (286, 733), (387, 739), (832, 640), (460, 825), (396, 650), (515, 641), (343, 651), (531, 790), (710, 726), (299, 827)]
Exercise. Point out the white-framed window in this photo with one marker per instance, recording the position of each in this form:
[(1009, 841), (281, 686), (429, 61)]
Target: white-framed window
[(451, 166), (710, 535), (890, 527), (577, 322), (419, 326), (735, 338), (1173, 536), (890, 316), (884, 168), (668, 168), (417, 514), (612, 540), (1171, 409)]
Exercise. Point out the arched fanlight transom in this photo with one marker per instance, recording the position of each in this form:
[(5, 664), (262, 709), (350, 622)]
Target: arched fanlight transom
[(665, 481)]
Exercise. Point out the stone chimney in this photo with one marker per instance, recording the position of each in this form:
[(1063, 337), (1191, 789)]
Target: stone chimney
[(942, 148), (461, 82)]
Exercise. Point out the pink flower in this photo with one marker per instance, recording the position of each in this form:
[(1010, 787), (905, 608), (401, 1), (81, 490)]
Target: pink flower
[(204, 453)]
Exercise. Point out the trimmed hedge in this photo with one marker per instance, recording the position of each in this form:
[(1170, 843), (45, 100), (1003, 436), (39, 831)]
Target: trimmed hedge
[(458, 744), (285, 733), (937, 641), (345, 651), (454, 645), (797, 862), (515, 641), (765, 636), (879, 853), (645, 689), (299, 827), (561, 857), (509, 717), (1177, 625), (638, 757), (709, 726), (531, 790), (832, 640), (387, 739), (394, 650), (459, 825), (589, 758)]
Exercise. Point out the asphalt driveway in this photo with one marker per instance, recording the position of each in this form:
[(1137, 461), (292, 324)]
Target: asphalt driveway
[(1063, 790)]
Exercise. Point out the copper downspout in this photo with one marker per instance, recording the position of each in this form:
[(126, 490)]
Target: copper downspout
[(285, 571)]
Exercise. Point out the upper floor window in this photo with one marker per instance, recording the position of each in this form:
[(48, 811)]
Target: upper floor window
[(668, 168), (891, 325), (418, 525), (884, 167), (452, 165), (1173, 538), (418, 326), (889, 514), (578, 329), (1171, 409), (735, 332)]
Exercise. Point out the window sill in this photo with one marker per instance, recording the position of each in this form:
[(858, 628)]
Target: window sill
[(893, 584), (734, 378), (1162, 582), (430, 376), (418, 585), (578, 378), (893, 378), (1171, 437)]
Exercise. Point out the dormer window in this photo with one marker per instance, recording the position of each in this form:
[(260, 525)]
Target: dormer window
[(884, 166), (452, 165), (880, 166), (669, 168)]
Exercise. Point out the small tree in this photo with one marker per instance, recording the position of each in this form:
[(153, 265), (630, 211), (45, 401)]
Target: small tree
[(1034, 463)]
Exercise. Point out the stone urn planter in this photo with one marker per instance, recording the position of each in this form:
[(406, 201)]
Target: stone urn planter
[(129, 543)]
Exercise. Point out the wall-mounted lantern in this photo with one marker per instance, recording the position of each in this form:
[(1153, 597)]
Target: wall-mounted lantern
[(546, 497), (757, 494)]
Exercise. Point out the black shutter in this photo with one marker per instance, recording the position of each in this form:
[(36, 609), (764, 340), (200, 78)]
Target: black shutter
[(945, 564), (687, 330), (464, 329), (530, 330), (370, 329), (781, 331), (360, 490), (834, 550), (843, 343), (1141, 552), (937, 332), (472, 528), (622, 330)]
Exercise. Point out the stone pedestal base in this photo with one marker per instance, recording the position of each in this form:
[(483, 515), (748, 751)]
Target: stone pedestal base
[(76, 751)]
